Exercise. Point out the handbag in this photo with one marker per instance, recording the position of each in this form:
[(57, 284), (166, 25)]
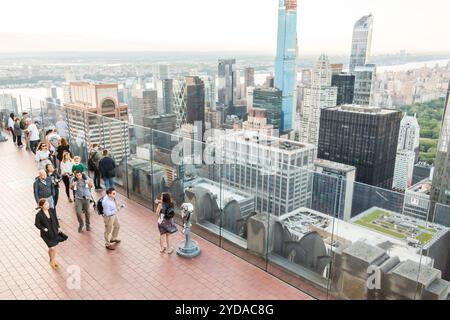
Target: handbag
[(62, 237)]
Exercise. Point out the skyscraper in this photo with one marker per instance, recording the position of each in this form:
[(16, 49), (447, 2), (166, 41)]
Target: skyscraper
[(440, 192), (195, 100), (227, 82), (364, 137), (409, 136), (286, 60), (144, 104), (361, 42), (345, 84), (403, 172), (269, 99), (249, 78), (320, 94), (87, 128), (365, 77)]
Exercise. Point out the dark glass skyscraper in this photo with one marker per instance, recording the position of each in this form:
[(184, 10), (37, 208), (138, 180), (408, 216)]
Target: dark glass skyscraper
[(286, 60), (269, 99), (363, 137), (195, 100), (345, 83)]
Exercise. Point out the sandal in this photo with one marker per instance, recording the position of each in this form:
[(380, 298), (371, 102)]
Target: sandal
[(170, 250), (161, 250)]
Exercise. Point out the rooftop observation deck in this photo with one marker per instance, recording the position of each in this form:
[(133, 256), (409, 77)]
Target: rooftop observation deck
[(135, 270)]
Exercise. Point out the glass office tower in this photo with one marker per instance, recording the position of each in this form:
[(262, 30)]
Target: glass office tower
[(286, 59)]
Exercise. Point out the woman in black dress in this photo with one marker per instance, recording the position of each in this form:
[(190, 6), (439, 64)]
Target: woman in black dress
[(47, 222), (166, 225)]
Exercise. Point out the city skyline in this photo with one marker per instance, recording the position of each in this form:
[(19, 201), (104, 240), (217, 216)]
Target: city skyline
[(141, 26)]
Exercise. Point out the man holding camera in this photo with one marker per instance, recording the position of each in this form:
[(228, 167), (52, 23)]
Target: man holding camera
[(82, 186), (111, 219)]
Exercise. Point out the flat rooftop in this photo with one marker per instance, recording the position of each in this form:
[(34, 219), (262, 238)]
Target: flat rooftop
[(353, 108), (333, 165), (404, 228), (337, 232), (423, 187), (254, 137)]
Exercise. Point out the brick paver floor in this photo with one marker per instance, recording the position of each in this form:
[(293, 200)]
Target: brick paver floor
[(135, 270)]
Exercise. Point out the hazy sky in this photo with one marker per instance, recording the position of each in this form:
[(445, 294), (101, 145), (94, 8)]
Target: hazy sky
[(218, 25)]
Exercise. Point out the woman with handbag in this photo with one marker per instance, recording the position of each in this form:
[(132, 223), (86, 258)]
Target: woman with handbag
[(47, 222), (165, 213)]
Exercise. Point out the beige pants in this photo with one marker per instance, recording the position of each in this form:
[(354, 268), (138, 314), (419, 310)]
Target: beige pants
[(111, 224)]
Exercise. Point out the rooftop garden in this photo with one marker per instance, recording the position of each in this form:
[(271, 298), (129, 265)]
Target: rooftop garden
[(387, 223)]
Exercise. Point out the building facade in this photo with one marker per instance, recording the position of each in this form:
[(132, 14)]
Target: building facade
[(361, 42), (277, 171), (333, 188), (85, 128), (195, 100), (409, 136), (316, 97), (365, 138), (440, 193), (417, 200), (403, 172), (345, 83), (365, 77), (269, 99), (226, 90), (286, 60)]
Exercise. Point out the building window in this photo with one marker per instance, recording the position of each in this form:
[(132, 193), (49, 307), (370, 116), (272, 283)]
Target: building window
[(108, 106)]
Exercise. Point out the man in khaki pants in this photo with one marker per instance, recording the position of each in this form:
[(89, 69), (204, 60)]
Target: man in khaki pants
[(111, 219)]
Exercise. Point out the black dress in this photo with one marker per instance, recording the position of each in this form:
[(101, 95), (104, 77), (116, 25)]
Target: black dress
[(41, 222)]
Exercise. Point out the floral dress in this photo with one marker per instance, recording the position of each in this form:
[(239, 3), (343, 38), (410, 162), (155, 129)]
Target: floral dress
[(165, 225)]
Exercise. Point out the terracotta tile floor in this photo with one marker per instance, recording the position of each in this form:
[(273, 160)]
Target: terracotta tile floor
[(135, 270)]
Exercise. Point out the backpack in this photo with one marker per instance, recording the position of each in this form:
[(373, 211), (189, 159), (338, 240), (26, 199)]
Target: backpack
[(22, 124), (91, 162), (169, 214), (98, 206)]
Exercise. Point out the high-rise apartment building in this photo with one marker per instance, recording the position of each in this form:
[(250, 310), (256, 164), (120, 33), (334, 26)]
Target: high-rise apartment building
[(269, 99), (365, 77), (409, 136), (361, 42), (89, 100), (320, 94), (286, 60), (226, 90), (345, 83), (275, 170), (363, 137), (403, 172)]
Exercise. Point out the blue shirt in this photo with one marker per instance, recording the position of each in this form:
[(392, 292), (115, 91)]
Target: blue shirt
[(109, 206)]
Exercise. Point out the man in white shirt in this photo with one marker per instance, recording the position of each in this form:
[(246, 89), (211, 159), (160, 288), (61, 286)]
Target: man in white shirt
[(11, 126), (33, 133), (111, 219)]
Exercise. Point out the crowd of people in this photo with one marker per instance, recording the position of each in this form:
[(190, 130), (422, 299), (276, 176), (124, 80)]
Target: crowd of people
[(55, 163)]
